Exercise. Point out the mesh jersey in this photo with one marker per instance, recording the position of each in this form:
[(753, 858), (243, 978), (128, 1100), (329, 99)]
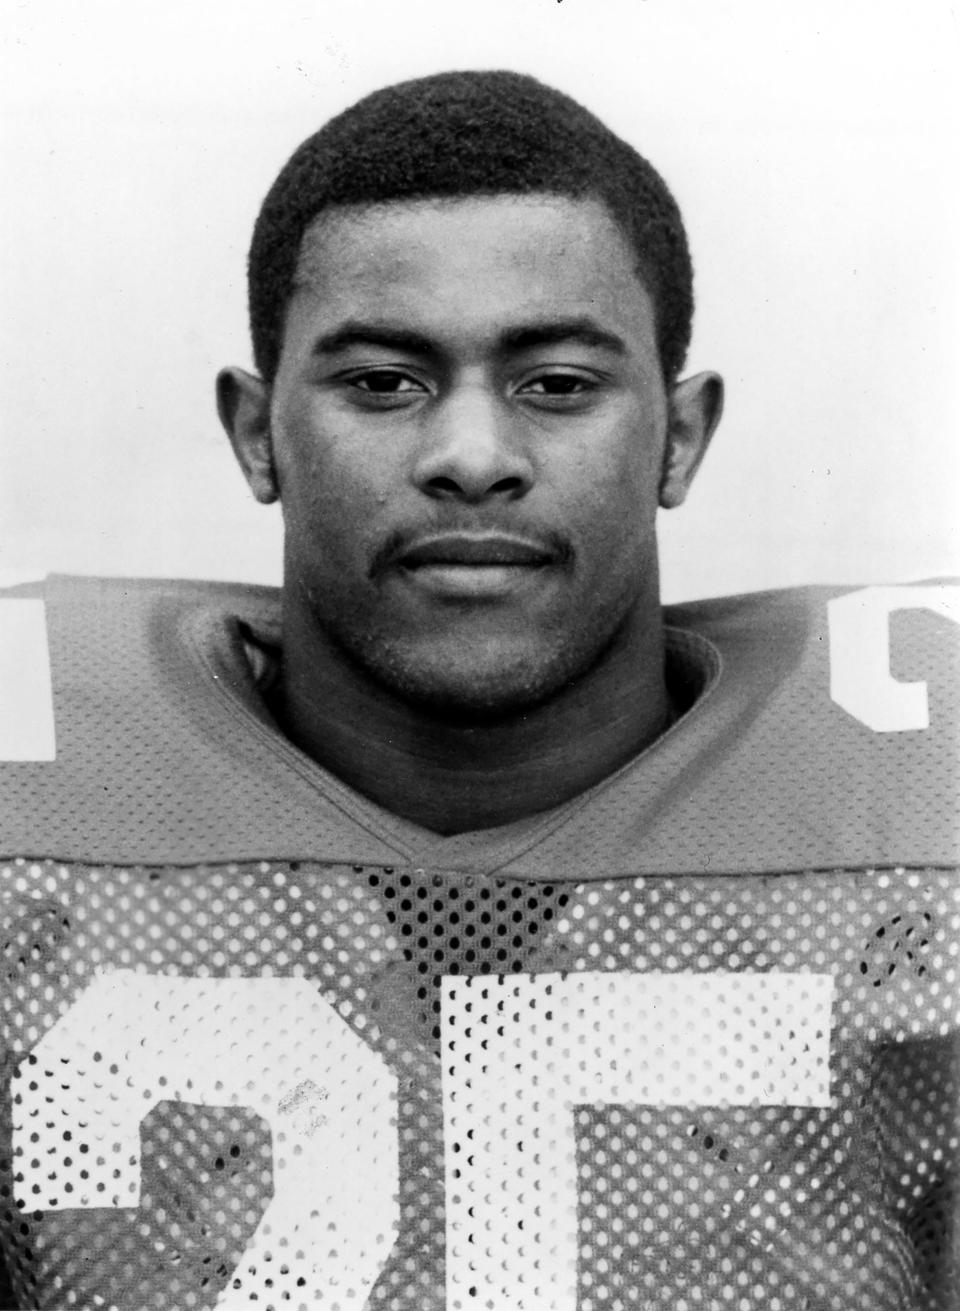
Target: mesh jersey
[(687, 1043)]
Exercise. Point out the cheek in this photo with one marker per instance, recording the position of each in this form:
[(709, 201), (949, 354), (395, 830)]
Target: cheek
[(331, 481), (613, 487)]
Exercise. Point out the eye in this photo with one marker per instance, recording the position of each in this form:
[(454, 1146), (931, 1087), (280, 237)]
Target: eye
[(386, 382), (559, 387), (383, 388)]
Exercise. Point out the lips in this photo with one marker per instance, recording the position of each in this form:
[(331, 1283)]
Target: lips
[(469, 568), (468, 551)]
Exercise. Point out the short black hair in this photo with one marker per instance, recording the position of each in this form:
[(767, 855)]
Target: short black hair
[(469, 134)]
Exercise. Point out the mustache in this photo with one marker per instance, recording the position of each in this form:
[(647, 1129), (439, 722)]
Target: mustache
[(556, 546)]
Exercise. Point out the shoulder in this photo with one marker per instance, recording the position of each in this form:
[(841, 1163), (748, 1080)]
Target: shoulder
[(825, 735), (133, 730), (847, 720), (112, 712), (878, 654), (71, 644)]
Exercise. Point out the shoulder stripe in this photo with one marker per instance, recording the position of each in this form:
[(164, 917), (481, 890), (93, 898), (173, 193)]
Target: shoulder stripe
[(26, 690), (860, 678)]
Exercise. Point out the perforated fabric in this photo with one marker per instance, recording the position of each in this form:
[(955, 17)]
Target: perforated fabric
[(345, 1087), (688, 1043)]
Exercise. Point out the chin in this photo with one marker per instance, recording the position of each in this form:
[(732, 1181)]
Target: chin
[(475, 692)]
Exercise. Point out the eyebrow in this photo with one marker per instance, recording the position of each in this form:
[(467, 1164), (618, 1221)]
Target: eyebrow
[(549, 332), (356, 333), (584, 331)]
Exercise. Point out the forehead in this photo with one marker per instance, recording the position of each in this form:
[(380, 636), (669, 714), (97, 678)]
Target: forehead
[(471, 263)]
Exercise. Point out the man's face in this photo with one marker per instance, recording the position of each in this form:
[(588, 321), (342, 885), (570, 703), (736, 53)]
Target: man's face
[(468, 426)]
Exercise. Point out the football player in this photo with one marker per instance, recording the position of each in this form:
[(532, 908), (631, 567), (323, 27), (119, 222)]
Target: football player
[(459, 928)]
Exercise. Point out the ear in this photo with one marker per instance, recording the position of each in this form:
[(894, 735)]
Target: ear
[(695, 406), (243, 403)]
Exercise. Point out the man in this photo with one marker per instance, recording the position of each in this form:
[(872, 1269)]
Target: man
[(466, 931)]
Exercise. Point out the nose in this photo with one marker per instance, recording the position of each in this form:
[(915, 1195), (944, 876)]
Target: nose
[(471, 450)]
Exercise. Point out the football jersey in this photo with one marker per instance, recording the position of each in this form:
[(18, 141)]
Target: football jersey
[(686, 1043)]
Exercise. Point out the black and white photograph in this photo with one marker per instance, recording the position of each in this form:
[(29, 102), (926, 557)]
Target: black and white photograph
[(479, 603)]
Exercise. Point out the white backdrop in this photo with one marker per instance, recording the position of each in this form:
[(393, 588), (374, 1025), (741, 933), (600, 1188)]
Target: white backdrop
[(811, 146)]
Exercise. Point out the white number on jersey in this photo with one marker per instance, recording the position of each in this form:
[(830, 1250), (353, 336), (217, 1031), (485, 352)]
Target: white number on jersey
[(860, 678), (519, 1053), (267, 1043)]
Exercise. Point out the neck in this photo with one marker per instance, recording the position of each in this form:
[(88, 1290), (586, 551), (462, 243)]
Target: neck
[(453, 777)]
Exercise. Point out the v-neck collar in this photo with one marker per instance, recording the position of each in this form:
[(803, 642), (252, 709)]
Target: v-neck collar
[(692, 660)]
